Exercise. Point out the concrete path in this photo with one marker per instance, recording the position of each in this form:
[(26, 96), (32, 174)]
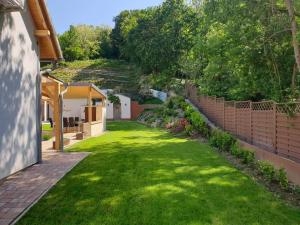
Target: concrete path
[(21, 191)]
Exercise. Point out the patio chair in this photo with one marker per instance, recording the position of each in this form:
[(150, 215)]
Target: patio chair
[(65, 124), (72, 123), (77, 123), (51, 122)]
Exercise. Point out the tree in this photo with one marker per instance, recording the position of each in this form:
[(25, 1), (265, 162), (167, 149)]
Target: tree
[(291, 11), (86, 42)]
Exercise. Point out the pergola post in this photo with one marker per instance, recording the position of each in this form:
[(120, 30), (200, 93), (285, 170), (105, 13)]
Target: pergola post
[(57, 117), (90, 103)]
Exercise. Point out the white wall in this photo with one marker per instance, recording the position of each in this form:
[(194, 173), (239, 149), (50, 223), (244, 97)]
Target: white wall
[(19, 93), (74, 108), (125, 108), (109, 110)]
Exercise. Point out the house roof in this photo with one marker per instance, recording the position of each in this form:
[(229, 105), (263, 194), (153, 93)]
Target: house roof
[(49, 46), (46, 77), (82, 90)]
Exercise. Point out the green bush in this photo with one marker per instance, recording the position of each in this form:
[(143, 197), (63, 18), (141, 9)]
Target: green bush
[(188, 110), (199, 124), (222, 140), (267, 170), (282, 179), (247, 156), (235, 150), (189, 130), (170, 104), (46, 137)]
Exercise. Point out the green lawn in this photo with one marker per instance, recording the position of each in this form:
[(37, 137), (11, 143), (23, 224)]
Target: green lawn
[(47, 127), (137, 176)]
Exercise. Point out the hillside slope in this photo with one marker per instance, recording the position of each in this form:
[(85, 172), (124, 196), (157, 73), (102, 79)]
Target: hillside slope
[(105, 73)]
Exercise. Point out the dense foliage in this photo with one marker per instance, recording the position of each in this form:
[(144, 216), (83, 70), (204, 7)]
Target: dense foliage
[(238, 49), (84, 42)]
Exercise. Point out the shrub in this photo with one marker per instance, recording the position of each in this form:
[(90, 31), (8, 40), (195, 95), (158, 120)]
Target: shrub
[(46, 137), (235, 150), (189, 130), (188, 111), (199, 124), (114, 99), (170, 104), (222, 140), (248, 157), (266, 169), (179, 125), (282, 179)]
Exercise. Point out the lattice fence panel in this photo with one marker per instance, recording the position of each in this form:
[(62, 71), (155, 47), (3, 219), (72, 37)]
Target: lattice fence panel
[(263, 125), (288, 130), (243, 120)]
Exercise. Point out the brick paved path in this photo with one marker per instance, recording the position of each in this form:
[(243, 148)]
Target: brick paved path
[(22, 190)]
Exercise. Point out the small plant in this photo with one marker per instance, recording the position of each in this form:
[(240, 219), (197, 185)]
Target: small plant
[(199, 124), (114, 99), (235, 150), (46, 137), (222, 140), (267, 170), (189, 130), (179, 125), (170, 104), (188, 111), (282, 179), (248, 157)]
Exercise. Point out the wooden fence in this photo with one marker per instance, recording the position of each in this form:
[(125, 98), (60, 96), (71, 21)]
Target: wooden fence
[(272, 126)]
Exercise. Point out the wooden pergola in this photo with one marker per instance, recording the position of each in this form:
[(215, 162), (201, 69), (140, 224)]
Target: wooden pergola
[(52, 88), (84, 91)]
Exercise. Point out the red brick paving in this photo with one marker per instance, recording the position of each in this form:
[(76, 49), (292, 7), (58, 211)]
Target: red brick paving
[(22, 190)]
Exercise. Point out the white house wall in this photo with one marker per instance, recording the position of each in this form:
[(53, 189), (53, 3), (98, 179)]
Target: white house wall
[(19, 93)]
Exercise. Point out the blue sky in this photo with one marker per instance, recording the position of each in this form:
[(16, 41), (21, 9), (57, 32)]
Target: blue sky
[(95, 12)]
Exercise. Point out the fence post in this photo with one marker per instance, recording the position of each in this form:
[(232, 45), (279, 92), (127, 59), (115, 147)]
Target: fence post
[(275, 127)]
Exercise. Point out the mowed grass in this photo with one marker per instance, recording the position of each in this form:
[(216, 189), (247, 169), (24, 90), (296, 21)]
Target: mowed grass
[(139, 176), (47, 127), (105, 73)]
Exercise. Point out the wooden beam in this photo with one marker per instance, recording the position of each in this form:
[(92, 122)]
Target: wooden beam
[(48, 92), (42, 33)]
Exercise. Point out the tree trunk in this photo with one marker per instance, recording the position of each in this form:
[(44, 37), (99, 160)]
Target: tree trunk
[(291, 11)]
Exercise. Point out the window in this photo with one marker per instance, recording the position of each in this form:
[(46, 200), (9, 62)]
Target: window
[(11, 5)]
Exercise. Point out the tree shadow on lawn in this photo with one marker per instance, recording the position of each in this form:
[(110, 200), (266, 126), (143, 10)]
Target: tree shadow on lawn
[(143, 177)]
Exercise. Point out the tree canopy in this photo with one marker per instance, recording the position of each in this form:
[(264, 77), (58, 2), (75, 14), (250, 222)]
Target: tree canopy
[(237, 49), (86, 42)]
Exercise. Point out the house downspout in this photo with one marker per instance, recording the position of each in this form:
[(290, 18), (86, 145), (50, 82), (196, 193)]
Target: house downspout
[(61, 102)]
